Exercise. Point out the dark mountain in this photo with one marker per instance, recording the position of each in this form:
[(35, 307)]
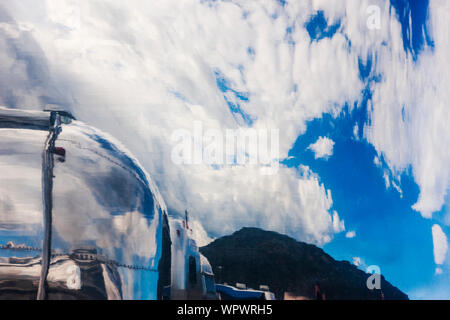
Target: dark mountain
[(257, 257)]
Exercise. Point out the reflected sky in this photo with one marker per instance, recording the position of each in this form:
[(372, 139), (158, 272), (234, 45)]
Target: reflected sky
[(104, 204)]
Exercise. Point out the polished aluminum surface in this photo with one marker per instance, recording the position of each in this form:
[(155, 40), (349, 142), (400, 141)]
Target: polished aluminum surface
[(106, 221)]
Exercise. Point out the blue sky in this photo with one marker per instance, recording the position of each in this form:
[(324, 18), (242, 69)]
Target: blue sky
[(390, 233)]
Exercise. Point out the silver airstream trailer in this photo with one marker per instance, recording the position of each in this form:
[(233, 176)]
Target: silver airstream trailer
[(192, 276), (79, 217)]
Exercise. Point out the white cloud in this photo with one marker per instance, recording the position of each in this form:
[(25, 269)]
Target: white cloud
[(350, 234), (338, 225), (440, 244), (397, 187), (293, 201), (377, 161), (356, 132), (322, 148), (409, 111), (199, 234), (140, 70), (357, 261), (438, 271), (387, 182)]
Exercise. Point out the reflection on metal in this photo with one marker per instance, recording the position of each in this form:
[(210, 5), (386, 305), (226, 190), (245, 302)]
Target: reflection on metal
[(89, 226), (47, 199), (68, 278), (12, 246), (20, 119), (192, 275)]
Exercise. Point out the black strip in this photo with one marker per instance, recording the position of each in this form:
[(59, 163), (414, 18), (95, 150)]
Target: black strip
[(278, 309)]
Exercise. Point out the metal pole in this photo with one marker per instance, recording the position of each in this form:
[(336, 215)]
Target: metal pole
[(47, 201)]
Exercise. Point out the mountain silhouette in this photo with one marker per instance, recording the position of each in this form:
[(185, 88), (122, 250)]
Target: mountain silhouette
[(256, 257)]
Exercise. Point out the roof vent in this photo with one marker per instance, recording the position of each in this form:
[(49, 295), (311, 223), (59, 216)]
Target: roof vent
[(59, 110)]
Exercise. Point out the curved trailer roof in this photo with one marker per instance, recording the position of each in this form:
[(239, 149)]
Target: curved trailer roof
[(74, 202)]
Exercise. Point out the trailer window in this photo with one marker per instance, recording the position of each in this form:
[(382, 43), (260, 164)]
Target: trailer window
[(192, 271)]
